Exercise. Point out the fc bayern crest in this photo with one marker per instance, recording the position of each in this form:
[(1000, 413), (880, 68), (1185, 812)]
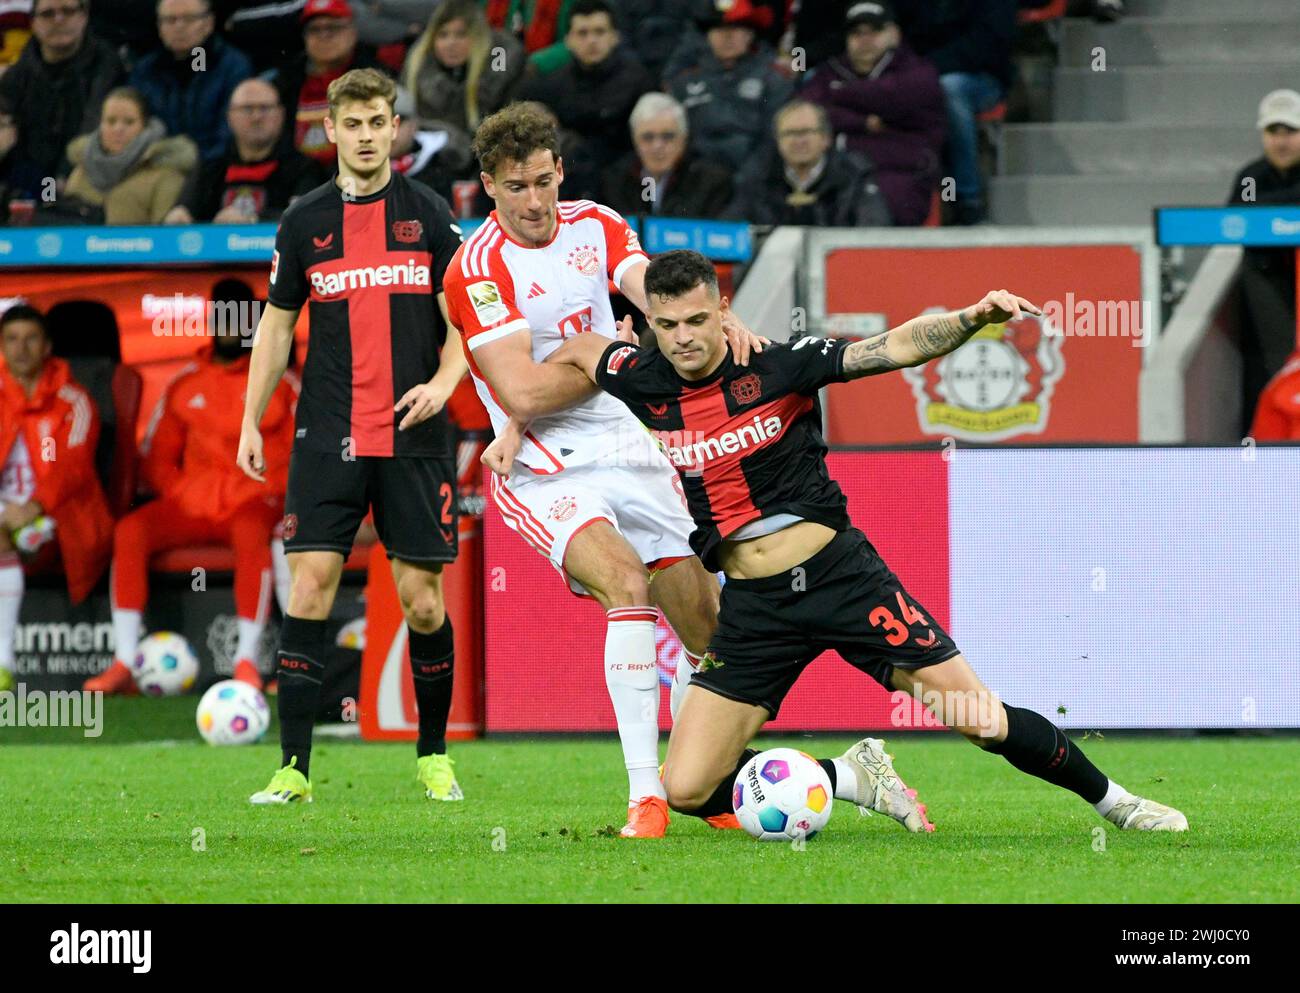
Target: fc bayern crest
[(407, 232), (563, 509), (746, 389), (998, 386), (585, 259), (289, 526)]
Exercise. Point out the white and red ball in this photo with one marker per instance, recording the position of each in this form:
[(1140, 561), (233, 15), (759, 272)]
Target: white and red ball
[(165, 665), (782, 794), (232, 713)]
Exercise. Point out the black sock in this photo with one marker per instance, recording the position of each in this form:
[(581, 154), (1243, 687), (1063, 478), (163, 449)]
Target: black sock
[(301, 666), (829, 766), (1037, 746), (720, 801), (432, 666)]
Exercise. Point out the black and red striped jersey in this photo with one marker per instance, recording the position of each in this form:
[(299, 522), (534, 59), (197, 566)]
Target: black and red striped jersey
[(746, 441), (371, 268)]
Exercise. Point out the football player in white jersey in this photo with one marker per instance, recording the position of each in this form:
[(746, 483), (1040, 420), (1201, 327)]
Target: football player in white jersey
[(590, 486)]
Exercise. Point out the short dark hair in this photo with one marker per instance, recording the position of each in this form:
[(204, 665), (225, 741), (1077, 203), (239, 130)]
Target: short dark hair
[(674, 274), (513, 134), (24, 312), (585, 8)]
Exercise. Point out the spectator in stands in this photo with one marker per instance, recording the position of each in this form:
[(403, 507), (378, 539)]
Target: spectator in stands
[(732, 89), (127, 25), (655, 29), (269, 32), (19, 178), (388, 22), (811, 182), (592, 96), (189, 82), (885, 103), (128, 166), (252, 181), (48, 488), (662, 177), (202, 496), (457, 77), (330, 49), (969, 42), (59, 83), (426, 155), (1268, 274), (1277, 416)]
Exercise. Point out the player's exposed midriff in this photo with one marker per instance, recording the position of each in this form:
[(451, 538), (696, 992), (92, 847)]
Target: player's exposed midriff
[(774, 553)]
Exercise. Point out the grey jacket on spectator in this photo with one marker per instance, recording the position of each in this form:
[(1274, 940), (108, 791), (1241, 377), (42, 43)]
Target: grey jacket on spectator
[(731, 110), (53, 103)]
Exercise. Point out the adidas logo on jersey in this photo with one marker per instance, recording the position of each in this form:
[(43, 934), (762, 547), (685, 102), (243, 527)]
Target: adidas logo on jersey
[(535, 291), (198, 401), (756, 432), (331, 284)]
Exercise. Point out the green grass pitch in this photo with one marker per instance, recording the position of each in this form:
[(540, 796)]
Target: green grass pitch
[(119, 820)]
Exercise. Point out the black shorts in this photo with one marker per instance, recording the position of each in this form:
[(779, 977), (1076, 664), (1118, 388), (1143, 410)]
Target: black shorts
[(843, 599), (413, 497)]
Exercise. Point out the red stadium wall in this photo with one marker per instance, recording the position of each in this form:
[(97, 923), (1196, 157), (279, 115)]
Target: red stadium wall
[(543, 646)]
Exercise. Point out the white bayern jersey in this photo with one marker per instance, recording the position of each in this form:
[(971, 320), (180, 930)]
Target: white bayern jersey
[(496, 287)]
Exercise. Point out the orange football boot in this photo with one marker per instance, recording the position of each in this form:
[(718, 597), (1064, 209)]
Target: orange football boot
[(246, 672), (646, 818), (115, 680), (723, 822)]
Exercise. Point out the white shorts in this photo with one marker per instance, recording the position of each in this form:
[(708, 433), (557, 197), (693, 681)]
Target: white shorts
[(645, 504)]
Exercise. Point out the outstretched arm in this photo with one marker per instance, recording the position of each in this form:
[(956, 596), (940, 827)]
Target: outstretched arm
[(923, 338)]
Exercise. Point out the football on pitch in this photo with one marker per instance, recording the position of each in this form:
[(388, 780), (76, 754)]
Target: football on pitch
[(165, 665), (232, 713), (782, 794)]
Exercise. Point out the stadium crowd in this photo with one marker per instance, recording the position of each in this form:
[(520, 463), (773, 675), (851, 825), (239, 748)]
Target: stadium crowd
[(832, 113)]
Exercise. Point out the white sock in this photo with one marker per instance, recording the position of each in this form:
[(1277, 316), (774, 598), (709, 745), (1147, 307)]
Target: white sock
[(632, 679), (688, 664), (1114, 793), (280, 569), (250, 633), (126, 634), (11, 601), (846, 780)]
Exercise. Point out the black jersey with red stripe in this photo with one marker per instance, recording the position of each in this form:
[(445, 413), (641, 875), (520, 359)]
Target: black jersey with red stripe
[(746, 441), (371, 268)]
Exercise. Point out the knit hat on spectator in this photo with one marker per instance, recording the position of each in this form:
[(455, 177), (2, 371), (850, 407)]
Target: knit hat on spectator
[(326, 8), (738, 13), (875, 13), (1280, 107)]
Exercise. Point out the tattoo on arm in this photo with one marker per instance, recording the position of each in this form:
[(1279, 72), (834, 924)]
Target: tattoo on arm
[(941, 333), (867, 357)]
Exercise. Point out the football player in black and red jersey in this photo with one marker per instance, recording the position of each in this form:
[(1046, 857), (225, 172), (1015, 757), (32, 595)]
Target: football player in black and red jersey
[(368, 250), (801, 579)]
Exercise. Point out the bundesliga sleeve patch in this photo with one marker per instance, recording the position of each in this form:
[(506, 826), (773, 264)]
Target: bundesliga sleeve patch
[(275, 264), (486, 299), (618, 358)]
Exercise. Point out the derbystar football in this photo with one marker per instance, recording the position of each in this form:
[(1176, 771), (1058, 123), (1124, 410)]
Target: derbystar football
[(232, 713), (165, 665), (782, 794)]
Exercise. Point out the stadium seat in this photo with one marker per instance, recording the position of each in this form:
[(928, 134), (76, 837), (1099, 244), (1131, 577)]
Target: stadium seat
[(934, 219), (990, 124), (1052, 11)]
